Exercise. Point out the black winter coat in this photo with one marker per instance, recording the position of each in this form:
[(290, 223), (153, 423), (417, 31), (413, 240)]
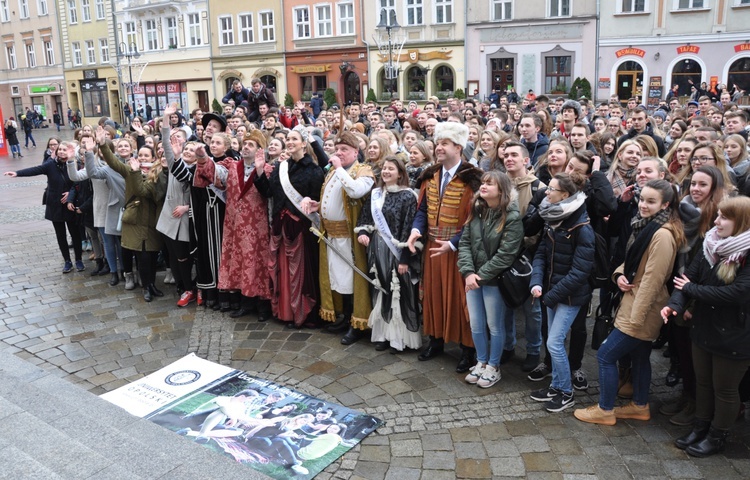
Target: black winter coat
[(305, 176), (11, 135), (649, 131), (564, 261), (58, 183), (721, 318)]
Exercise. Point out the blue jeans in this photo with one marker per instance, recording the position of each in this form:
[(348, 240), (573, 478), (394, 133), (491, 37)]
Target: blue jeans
[(532, 312), (615, 347), (559, 320), (29, 136), (15, 149), (112, 250), (486, 311)]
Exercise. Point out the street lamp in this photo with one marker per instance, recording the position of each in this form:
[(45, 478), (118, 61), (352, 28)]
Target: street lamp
[(389, 23), (129, 52)]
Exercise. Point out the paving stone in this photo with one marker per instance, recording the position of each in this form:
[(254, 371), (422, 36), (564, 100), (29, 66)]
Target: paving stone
[(575, 464), (401, 473), (522, 427), (508, 466), (376, 453), (531, 443), (406, 448), (371, 470), (471, 468), (643, 465), (681, 469), (540, 462), (437, 441)]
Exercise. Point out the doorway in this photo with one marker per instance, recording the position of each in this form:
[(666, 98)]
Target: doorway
[(352, 92), (629, 81), (503, 73), (203, 100)]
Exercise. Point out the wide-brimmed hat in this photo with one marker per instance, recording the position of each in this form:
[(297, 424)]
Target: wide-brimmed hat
[(207, 117)]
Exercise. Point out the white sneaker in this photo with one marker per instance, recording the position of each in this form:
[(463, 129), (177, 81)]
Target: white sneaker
[(490, 376), (299, 469), (475, 373)]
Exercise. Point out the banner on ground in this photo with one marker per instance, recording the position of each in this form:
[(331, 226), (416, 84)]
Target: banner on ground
[(271, 428)]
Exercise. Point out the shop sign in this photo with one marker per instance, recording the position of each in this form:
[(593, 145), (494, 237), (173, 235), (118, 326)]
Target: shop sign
[(630, 51), (311, 69), (688, 49), (605, 82), (98, 85), (42, 89), (742, 47)]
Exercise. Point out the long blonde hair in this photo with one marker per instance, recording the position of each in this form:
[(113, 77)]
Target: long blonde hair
[(736, 209)]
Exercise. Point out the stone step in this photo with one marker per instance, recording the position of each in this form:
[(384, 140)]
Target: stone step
[(50, 428)]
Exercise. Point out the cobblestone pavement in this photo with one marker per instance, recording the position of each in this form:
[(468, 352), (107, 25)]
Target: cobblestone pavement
[(100, 338)]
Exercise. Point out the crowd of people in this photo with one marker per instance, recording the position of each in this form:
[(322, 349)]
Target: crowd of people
[(402, 221)]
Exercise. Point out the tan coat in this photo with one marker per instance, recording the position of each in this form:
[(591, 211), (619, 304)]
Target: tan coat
[(639, 313)]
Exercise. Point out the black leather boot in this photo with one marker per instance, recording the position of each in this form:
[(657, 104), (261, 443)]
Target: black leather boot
[(147, 295), (99, 267), (699, 432), (155, 291), (468, 359), (713, 443), (340, 325), (352, 336), (114, 279)]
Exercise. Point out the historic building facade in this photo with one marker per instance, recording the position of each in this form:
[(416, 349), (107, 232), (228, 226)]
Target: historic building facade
[(31, 68), (542, 46)]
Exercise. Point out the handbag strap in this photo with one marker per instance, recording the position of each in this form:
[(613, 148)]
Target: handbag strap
[(132, 197)]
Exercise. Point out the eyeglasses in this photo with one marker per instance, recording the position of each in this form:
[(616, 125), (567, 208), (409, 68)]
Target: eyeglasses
[(553, 189), (702, 160)]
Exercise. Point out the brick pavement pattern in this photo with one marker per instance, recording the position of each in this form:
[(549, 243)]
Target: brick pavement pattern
[(97, 338)]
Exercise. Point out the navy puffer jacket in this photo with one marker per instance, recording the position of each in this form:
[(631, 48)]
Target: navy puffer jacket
[(564, 261)]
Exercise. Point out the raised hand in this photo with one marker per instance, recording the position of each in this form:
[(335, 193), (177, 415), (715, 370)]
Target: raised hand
[(101, 136)]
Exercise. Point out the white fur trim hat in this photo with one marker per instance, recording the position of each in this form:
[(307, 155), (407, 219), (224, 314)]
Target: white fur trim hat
[(457, 133)]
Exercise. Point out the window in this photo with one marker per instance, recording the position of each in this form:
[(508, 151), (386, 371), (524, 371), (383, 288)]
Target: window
[(246, 28), (10, 52), (267, 27), (301, 22), (346, 18), (152, 35), (688, 4), (559, 8), (387, 12), (632, 6), (130, 36), (443, 11), (100, 12), (444, 79), (502, 9), (194, 29), (4, 11), (743, 2), (104, 50), (90, 52), (23, 7), (311, 84), (77, 58), (557, 73), (323, 21), (414, 12), (49, 52), (30, 55), (226, 30), (42, 8), (86, 10), (72, 12), (171, 23)]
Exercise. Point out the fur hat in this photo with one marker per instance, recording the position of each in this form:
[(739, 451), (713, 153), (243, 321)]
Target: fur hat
[(256, 136), (573, 105), (457, 133), (347, 138)]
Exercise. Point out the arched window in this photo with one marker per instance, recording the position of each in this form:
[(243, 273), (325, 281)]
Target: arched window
[(269, 81), (685, 71), (388, 87), (416, 86), (739, 74), (228, 83), (444, 83)]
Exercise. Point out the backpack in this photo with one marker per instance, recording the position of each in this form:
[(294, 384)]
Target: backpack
[(601, 274)]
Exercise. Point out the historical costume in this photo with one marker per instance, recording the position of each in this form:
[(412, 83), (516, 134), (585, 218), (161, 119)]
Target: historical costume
[(444, 205), (340, 207), (387, 217), (245, 255), (294, 249)]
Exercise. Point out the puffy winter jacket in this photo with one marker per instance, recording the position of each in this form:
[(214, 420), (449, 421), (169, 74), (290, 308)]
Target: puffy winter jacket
[(564, 261)]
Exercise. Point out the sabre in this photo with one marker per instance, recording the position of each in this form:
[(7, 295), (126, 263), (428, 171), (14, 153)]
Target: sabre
[(346, 259)]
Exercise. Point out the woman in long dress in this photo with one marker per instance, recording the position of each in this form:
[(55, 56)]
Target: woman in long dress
[(384, 227)]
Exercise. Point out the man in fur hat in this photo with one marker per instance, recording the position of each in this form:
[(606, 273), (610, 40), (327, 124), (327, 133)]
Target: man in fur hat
[(444, 205), (243, 269), (347, 184)]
